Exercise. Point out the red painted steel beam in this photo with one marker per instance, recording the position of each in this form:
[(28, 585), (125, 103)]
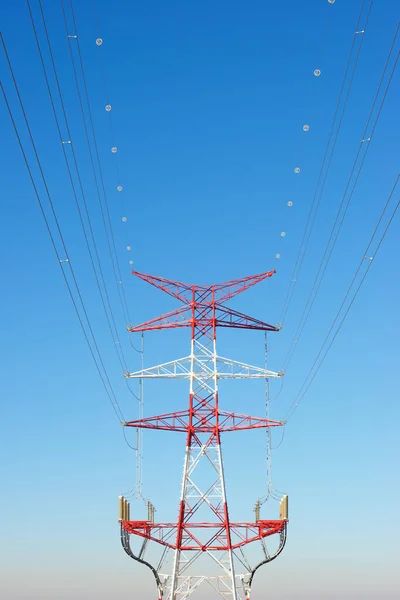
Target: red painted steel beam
[(204, 422), (222, 291), (182, 317), (248, 532), (226, 317), (237, 286)]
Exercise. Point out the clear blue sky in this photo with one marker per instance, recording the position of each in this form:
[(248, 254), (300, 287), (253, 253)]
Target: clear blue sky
[(208, 104)]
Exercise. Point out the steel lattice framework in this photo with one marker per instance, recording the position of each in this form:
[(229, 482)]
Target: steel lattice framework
[(203, 492)]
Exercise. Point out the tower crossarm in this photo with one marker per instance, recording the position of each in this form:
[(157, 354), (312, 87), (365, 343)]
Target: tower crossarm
[(242, 533), (234, 369), (203, 530), (227, 317), (177, 289), (219, 317), (203, 421), (181, 317), (227, 290), (227, 368), (220, 292), (174, 369)]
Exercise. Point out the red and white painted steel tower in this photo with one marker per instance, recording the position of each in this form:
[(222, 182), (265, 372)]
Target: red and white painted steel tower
[(203, 529)]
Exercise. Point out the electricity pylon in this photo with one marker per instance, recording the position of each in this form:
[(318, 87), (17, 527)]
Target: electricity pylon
[(203, 528)]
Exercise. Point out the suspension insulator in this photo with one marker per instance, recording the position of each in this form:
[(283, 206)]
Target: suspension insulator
[(125, 511), (120, 509), (284, 508)]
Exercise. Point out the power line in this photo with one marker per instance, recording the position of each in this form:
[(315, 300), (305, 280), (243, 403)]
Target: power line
[(106, 219), (332, 136), (109, 230), (108, 105), (104, 296), (314, 369), (113, 330), (109, 110), (310, 107), (90, 339), (337, 225), (105, 299)]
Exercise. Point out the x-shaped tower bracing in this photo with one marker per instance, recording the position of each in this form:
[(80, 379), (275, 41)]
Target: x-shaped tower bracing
[(189, 539)]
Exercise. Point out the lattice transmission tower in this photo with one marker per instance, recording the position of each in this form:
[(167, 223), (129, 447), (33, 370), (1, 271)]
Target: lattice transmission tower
[(203, 545)]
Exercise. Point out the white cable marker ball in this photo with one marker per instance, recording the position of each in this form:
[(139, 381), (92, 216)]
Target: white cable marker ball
[(331, 1), (119, 188), (114, 149), (108, 107), (124, 219), (99, 42), (306, 127), (131, 262), (277, 255), (283, 233), (290, 203), (317, 72), (129, 248), (297, 170)]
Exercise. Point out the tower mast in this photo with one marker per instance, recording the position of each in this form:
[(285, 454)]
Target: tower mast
[(203, 527)]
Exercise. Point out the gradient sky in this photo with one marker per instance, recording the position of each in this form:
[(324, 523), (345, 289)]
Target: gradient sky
[(208, 104)]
